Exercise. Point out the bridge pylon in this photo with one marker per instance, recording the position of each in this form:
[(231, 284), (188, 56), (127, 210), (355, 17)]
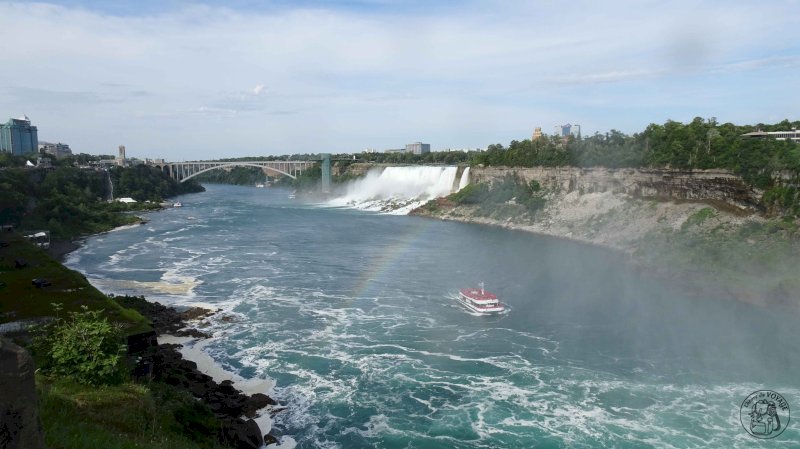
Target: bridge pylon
[(326, 172)]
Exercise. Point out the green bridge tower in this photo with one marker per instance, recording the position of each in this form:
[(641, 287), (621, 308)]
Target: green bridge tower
[(326, 172)]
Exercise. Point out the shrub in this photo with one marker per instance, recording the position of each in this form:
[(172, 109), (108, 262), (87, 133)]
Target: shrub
[(699, 217), (535, 203), (84, 347), (471, 194), (784, 198), (431, 206)]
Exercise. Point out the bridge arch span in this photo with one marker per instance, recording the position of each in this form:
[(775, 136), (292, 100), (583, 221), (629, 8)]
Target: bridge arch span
[(181, 171), (239, 164)]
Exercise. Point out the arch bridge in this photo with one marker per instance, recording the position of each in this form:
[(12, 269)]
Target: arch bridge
[(182, 171)]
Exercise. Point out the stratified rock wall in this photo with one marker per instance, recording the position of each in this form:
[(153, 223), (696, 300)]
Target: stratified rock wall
[(19, 415), (719, 186)]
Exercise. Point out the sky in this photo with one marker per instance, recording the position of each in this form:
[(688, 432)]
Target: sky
[(199, 80)]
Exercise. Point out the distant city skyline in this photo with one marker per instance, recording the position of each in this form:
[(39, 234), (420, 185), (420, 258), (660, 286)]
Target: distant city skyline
[(187, 80)]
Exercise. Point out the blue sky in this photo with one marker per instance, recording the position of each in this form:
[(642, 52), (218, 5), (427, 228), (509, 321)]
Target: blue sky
[(185, 80)]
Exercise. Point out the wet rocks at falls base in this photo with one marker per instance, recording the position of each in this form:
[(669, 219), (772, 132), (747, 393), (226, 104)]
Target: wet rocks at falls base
[(232, 408), (164, 363)]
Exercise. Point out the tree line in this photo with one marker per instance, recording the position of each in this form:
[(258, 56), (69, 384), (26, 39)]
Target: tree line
[(768, 164), (147, 183), (700, 144), (70, 201)]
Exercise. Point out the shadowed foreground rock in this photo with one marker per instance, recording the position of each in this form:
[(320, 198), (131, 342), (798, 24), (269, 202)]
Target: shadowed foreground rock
[(19, 415), (164, 363), (234, 409)]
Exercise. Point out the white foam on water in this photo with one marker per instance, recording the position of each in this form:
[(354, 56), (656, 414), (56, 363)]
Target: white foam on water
[(177, 231), (178, 286), (128, 254), (74, 258), (124, 227), (174, 239), (174, 279), (285, 443), (563, 402)]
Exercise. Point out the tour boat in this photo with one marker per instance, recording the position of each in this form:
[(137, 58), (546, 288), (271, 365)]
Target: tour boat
[(177, 204), (480, 301)]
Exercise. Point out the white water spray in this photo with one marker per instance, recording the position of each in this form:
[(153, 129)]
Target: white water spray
[(397, 190)]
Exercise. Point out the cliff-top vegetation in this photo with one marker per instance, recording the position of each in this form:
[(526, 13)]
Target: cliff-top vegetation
[(768, 164), (71, 201)]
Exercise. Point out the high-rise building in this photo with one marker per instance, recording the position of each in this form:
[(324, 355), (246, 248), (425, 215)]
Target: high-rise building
[(570, 130), (418, 148), (18, 136), (537, 133), (121, 156), (58, 150)]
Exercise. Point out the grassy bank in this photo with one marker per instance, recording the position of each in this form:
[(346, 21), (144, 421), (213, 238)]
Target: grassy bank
[(755, 261), (125, 416), (21, 263)]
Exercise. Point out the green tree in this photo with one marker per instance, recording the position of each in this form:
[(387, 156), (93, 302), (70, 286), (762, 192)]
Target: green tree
[(84, 347)]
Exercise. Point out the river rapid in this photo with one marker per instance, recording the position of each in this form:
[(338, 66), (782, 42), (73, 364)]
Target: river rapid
[(352, 314)]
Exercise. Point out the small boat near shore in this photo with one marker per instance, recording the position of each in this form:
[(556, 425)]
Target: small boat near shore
[(478, 300), (177, 204)]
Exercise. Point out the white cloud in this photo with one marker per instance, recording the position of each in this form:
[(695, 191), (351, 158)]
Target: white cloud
[(342, 80)]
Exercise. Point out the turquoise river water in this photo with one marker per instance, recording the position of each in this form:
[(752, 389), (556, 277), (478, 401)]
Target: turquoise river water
[(352, 313)]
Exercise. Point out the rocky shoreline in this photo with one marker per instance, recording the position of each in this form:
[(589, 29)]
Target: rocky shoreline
[(59, 249), (165, 355), (241, 416)]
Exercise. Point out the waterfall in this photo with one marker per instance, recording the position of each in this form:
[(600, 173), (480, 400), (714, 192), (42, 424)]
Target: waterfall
[(396, 190), (464, 181), (110, 186)]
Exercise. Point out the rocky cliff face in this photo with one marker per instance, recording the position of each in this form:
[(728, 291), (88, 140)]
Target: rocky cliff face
[(356, 169), (19, 414), (707, 228), (719, 187)]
